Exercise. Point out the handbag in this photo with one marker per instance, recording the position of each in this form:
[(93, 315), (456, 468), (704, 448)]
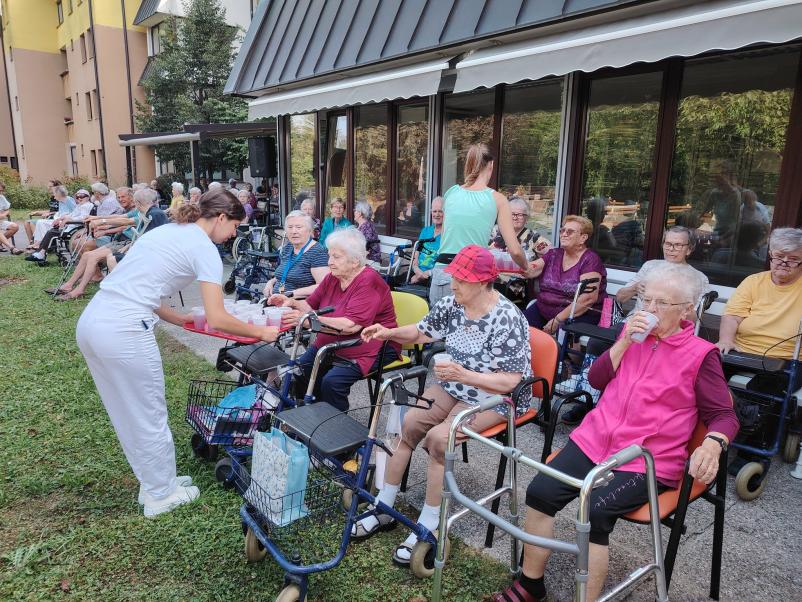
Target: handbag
[(279, 469)]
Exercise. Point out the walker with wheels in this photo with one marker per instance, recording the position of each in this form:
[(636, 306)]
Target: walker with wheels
[(597, 477), (336, 494)]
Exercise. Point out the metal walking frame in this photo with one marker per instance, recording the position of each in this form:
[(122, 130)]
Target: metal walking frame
[(597, 477)]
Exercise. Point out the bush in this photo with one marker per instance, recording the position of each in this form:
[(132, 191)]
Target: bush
[(164, 184), (73, 183), (27, 196)]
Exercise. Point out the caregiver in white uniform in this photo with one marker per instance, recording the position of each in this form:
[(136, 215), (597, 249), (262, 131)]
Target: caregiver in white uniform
[(115, 335)]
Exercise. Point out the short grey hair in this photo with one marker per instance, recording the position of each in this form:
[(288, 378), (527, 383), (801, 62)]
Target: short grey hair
[(519, 202), (690, 234), (145, 196), (213, 185), (245, 192), (786, 240), (139, 186), (177, 186), (308, 201), (124, 190), (300, 214), (195, 190), (100, 187), (350, 240), (364, 208), (60, 191), (686, 282)]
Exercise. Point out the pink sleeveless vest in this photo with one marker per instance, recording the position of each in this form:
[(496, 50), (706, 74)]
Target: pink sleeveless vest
[(650, 402)]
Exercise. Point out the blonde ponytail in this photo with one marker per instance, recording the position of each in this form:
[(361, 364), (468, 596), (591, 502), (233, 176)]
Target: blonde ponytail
[(476, 161)]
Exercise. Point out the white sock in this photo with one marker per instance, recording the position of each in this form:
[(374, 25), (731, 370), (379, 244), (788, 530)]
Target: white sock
[(429, 518), (39, 254), (386, 495)]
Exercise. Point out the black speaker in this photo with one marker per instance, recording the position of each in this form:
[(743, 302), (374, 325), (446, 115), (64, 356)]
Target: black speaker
[(262, 157)]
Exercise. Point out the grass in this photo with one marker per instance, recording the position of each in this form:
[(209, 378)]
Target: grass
[(69, 522)]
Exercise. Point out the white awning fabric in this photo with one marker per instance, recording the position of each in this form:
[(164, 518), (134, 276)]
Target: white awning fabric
[(686, 31), (404, 82), (161, 139)]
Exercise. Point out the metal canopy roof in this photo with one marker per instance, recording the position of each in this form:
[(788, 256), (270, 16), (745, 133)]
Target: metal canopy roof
[(147, 9), (295, 40), (201, 131)]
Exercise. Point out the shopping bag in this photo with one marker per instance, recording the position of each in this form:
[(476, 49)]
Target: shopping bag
[(279, 469), (237, 412), (392, 439)]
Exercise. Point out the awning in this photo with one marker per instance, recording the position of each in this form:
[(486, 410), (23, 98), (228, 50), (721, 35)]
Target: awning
[(200, 132), (157, 138), (685, 31), (417, 80)]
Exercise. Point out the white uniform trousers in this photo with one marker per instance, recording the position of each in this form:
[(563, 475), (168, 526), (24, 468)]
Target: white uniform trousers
[(120, 349), (41, 226)]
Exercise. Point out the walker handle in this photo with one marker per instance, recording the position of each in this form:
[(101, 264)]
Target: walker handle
[(626, 455), (491, 403)]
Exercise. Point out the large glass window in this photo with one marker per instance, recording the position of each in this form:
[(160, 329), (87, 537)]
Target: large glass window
[(529, 145), (370, 160), (730, 135), (302, 158), (619, 156), (412, 144), (468, 120), (336, 153)]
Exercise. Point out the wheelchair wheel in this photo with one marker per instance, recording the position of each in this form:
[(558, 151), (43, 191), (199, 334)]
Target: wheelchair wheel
[(421, 561), (201, 449), (791, 447), (239, 247), (749, 483), (224, 472), (348, 494), (290, 593), (254, 550), (230, 286)]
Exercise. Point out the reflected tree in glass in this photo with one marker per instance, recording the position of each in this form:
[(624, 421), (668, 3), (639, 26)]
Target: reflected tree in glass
[(302, 146), (412, 145), (468, 120), (370, 160)]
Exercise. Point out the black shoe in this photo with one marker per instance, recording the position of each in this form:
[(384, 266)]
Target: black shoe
[(32, 258), (42, 263), (574, 415)]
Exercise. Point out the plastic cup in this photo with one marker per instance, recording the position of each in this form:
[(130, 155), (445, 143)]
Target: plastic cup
[(199, 318), (259, 320), (274, 316), (242, 303), (653, 320), (442, 358)]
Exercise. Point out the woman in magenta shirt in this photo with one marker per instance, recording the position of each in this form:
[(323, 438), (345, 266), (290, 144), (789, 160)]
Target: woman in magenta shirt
[(360, 297), (654, 394)]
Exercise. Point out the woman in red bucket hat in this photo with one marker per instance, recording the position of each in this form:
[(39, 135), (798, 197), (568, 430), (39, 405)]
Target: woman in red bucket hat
[(487, 353)]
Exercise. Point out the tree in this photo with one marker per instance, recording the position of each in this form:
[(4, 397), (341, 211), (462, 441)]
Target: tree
[(185, 85)]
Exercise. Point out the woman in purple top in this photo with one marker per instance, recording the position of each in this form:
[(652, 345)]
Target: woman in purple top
[(245, 198), (559, 273), (362, 215)]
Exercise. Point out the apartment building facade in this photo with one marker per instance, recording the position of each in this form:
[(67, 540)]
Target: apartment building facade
[(71, 74)]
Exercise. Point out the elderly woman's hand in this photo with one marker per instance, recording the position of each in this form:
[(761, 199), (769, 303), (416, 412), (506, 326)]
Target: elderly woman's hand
[(450, 372), (704, 461), (726, 346), (289, 319), (637, 323), (376, 332), (279, 301)]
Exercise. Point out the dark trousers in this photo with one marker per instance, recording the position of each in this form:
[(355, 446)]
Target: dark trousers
[(334, 383), (538, 320), (48, 238)]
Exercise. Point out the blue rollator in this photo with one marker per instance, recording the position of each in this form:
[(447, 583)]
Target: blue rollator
[(264, 388), (597, 477), (337, 492), (768, 397)]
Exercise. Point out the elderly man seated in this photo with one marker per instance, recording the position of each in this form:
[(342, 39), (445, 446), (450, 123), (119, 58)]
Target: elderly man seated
[(7, 228), (143, 218), (360, 297), (424, 259), (37, 229), (654, 394), (487, 338), (762, 315), (65, 223)]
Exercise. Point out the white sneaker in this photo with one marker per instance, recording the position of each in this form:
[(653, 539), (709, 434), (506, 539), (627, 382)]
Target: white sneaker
[(40, 255), (182, 481), (181, 495)]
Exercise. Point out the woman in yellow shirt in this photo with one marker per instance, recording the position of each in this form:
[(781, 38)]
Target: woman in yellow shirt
[(178, 196), (763, 314)]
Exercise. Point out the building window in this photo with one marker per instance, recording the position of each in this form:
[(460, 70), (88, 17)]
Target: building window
[(3, 159), (93, 160), (22, 150), (100, 164), (88, 103), (731, 128), (468, 120), (60, 12), (16, 103), (530, 139), (95, 102), (370, 161), (90, 44), (411, 168), (82, 40), (157, 35), (618, 165), (82, 150), (69, 7), (73, 161), (302, 158), (336, 153)]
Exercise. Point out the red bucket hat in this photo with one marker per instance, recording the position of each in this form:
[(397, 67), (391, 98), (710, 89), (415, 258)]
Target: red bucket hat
[(473, 264)]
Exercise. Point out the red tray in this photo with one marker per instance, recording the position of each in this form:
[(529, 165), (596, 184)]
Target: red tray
[(190, 326)]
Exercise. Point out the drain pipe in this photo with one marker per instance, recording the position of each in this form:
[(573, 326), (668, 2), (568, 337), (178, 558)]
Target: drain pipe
[(132, 161), (97, 87)]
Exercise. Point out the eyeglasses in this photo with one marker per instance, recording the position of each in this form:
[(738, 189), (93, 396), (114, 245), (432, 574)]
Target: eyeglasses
[(674, 246), (784, 260), (519, 215), (568, 231), (81, 196), (659, 304)]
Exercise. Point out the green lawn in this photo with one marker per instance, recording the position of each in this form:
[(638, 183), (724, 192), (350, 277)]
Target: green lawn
[(69, 521)]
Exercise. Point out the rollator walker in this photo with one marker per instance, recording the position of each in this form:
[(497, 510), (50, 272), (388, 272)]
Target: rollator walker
[(597, 477)]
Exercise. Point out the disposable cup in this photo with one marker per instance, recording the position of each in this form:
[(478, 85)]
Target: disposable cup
[(273, 316), (243, 303), (653, 320), (199, 318), (228, 303), (442, 358), (259, 321)]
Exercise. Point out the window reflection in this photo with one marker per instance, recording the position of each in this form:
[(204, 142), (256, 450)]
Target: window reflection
[(302, 149), (617, 174), (411, 168), (336, 159), (530, 142), (370, 160), (731, 125), (468, 120)]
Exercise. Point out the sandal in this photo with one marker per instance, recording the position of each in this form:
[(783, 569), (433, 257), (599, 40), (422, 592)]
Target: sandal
[(66, 297), (398, 560), (56, 291), (16, 251), (386, 523), (515, 593)]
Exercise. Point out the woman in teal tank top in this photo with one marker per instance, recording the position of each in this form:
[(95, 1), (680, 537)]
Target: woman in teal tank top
[(471, 211)]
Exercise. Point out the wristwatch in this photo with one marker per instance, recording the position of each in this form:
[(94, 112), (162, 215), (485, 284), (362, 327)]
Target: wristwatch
[(718, 440)]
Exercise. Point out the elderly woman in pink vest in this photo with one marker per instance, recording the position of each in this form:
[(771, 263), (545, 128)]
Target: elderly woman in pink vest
[(654, 393)]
